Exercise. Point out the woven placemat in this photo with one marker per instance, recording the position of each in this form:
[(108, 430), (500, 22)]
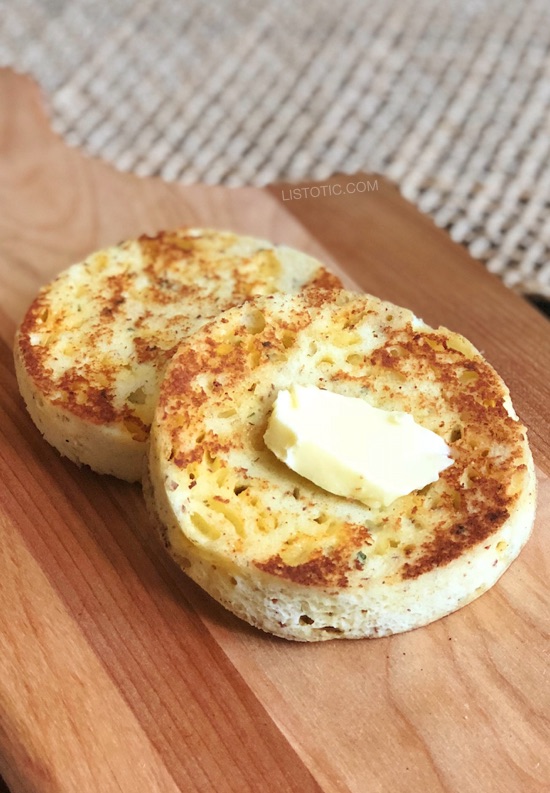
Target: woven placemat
[(450, 100)]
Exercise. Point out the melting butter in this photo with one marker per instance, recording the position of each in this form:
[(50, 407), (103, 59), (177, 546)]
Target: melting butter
[(352, 449)]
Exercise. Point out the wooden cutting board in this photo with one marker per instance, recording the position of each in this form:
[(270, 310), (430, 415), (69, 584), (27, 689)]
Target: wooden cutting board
[(116, 672)]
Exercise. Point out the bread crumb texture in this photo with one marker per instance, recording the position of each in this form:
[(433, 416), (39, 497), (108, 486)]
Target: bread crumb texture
[(226, 502), (95, 342)]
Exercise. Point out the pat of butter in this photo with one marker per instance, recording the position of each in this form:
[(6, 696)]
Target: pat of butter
[(349, 448)]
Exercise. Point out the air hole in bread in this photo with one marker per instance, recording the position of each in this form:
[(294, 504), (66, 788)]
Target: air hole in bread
[(432, 498), (459, 344), (228, 513), (456, 498), (434, 344), (398, 351), (355, 359), (221, 476), (288, 339), (255, 322), (381, 546), (254, 358), (306, 620), (204, 527), (136, 429), (456, 434), (238, 489), (345, 338), (211, 461), (468, 377), (296, 492), (468, 477), (137, 397)]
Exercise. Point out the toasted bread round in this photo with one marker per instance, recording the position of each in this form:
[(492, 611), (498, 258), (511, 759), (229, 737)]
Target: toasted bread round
[(92, 348), (290, 557)]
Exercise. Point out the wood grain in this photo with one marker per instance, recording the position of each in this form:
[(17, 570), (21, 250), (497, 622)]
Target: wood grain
[(116, 672), (96, 636)]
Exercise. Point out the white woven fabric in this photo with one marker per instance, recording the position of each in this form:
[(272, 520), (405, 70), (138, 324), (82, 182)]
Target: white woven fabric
[(450, 100)]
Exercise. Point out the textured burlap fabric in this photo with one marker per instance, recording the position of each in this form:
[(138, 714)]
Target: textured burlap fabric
[(450, 100)]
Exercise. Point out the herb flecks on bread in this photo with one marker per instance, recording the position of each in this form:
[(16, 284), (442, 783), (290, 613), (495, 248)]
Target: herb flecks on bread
[(290, 557), (92, 349)]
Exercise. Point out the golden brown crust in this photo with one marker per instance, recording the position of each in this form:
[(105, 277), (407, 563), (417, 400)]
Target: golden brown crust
[(434, 374), (324, 569), (95, 342)]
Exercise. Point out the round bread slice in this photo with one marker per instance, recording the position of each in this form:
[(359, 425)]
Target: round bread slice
[(290, 557), (92, 348)]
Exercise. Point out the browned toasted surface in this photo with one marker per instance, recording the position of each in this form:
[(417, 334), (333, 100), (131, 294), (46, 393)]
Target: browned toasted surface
[(97, 339), (249, 506)]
